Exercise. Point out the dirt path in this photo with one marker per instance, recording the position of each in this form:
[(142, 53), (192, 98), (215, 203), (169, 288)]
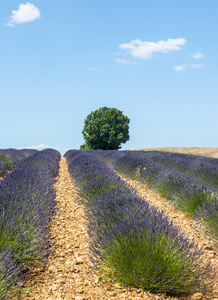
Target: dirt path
[(65, 276)]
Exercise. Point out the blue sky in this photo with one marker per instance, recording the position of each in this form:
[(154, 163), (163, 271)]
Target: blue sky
[(155, 60)]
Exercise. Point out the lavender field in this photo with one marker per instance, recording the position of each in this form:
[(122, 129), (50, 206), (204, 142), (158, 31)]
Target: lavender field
[(130, 241), (211, 152)]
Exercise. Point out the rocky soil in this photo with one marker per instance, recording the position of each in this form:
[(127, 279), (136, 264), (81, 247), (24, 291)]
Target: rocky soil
[(66, 275)]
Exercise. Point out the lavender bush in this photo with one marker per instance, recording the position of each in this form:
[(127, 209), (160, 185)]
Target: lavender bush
[(49, 158), (5, 164), (204, 169), (189, 181), (27, 202), (208, 214), (132, 242), (9, 272), (10, 158)]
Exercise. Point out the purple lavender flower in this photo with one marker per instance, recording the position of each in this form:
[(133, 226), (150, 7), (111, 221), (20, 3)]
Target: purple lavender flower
[(27, 203)]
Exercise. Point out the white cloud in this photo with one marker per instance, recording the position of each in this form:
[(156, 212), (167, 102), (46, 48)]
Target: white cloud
[(126, 62), (191, 66), (25, 13), (43, 146), (145, 50), (198, 66), (180, 68), (198, 55)]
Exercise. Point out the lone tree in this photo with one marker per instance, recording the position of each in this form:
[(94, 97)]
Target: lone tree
[(105, 128)]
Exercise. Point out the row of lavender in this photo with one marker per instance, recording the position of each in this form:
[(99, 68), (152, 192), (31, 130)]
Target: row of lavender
[(10, 158), (27, 202), (131, 242), (189, 181)]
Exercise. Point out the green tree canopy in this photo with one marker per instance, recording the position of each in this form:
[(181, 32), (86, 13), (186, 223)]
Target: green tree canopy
[(105, 128)]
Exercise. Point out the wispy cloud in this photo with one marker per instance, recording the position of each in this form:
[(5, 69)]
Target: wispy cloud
[(180, 68), (191, 66), (198, 55), (145, 50), (25, 13), (197, 66), (126, 62), (93, 69)]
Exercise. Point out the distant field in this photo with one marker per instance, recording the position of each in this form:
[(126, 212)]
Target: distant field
[(212, 152)]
